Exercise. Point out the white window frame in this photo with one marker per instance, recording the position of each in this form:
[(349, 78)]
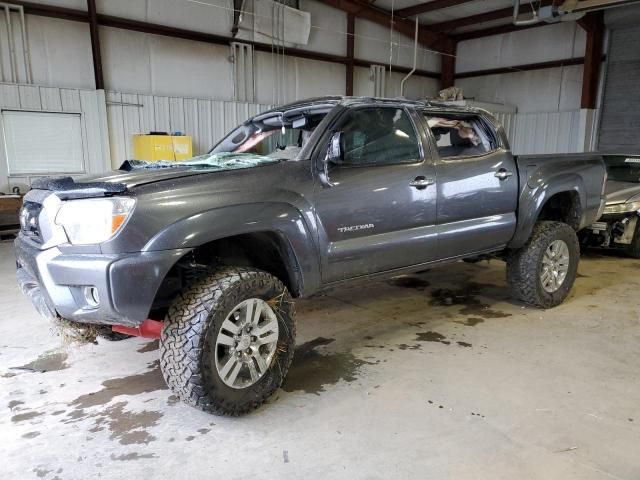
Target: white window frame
[(24, 174)]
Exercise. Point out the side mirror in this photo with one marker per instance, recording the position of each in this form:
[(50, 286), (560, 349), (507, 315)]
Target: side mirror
[(334, 155)]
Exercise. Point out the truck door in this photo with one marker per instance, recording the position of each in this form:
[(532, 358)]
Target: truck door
[(380, 213), (477, 184)]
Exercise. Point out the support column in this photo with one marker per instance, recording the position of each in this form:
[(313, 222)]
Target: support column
[(593, 23), (448, 64), (351, 27), (95, 44)]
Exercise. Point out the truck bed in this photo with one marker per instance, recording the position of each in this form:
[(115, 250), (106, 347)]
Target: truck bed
[(540, 176)]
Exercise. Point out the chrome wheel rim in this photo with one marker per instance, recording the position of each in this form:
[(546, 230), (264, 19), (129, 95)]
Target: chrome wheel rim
[(246, 343), (555, 265)]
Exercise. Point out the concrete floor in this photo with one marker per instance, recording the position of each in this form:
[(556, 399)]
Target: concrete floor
[(401, 379)]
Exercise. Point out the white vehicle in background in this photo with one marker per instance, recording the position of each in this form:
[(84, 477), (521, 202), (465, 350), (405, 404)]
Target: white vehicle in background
[(618, 227)]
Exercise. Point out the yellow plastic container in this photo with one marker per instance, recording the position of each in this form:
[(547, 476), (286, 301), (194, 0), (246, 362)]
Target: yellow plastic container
[(161, 147)]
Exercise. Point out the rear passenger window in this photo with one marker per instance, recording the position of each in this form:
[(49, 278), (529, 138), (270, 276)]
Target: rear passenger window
[(461, 135)]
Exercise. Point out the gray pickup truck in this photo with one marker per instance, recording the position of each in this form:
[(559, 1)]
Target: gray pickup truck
[(291, 202)]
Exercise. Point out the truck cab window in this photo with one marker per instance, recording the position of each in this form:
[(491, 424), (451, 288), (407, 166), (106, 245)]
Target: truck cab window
[(378, 136), (461, 136)]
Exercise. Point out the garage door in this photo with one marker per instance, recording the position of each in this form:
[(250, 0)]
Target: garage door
[(620, 120)]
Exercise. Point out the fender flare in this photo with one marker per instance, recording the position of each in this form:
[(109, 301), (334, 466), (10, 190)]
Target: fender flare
[(535, 195), (282, 219)]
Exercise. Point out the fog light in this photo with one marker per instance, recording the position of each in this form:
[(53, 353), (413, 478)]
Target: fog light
[(91, 296)]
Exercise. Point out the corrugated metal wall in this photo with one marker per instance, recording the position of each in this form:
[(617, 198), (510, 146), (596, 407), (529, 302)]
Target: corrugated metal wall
[(546, 132), (541, 132), (207, 121), (89, 103)]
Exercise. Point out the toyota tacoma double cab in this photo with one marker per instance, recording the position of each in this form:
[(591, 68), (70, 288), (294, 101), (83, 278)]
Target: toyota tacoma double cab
[(293, 201)]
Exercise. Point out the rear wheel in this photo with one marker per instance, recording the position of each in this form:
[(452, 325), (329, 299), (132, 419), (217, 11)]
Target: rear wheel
[(542, 272), (228, 340)]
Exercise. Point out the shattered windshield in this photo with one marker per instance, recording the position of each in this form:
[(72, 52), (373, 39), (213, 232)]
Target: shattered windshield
[(227, 160), (271, 137), (623, 169), (276, 135), (208, 161)]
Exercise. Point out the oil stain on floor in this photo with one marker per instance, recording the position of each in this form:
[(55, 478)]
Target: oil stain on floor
[(438, 338), (431, 337), (148, 381), (466, 297), (132, 456), (125, 426), (470, 322), (47, 362), (409, 282), (21, 417), (311, 371)]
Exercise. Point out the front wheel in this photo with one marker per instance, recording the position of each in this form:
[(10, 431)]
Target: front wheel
[(542, 272), (228, 340)]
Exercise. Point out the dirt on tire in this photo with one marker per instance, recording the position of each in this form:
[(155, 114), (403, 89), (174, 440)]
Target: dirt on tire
[(189, 333), (524, 265)]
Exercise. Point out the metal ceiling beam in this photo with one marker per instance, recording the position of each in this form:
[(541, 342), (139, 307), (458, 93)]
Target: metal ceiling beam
[(448, 64), (428, 7), (63, 13), (426, 36), (351, 41), (523, 68), (594, 24), (95, 44), (487, 32)]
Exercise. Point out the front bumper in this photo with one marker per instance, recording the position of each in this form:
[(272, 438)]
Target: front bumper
[(126, 283), (612, 230)]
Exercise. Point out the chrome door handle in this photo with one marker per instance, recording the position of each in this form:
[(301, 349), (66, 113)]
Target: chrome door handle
[(422, 182), (503, 174)]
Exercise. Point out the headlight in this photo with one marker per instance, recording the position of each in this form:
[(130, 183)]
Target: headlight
[(622, 208), (94, 220)]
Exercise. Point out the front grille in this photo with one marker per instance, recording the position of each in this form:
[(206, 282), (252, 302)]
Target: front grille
[(29, 221)]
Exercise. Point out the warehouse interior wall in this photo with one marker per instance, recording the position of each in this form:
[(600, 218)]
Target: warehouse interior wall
[(547, 90), (194, 73), (547, 101), (150, 64), (141, 63)]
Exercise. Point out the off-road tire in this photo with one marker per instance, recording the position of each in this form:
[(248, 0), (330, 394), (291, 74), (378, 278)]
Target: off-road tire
[(524, 265), (188, 338), (633, 250)]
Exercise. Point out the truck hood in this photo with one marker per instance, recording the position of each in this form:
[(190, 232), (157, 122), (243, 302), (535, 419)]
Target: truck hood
[(135, 178), (621, 192), (133, 173)]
